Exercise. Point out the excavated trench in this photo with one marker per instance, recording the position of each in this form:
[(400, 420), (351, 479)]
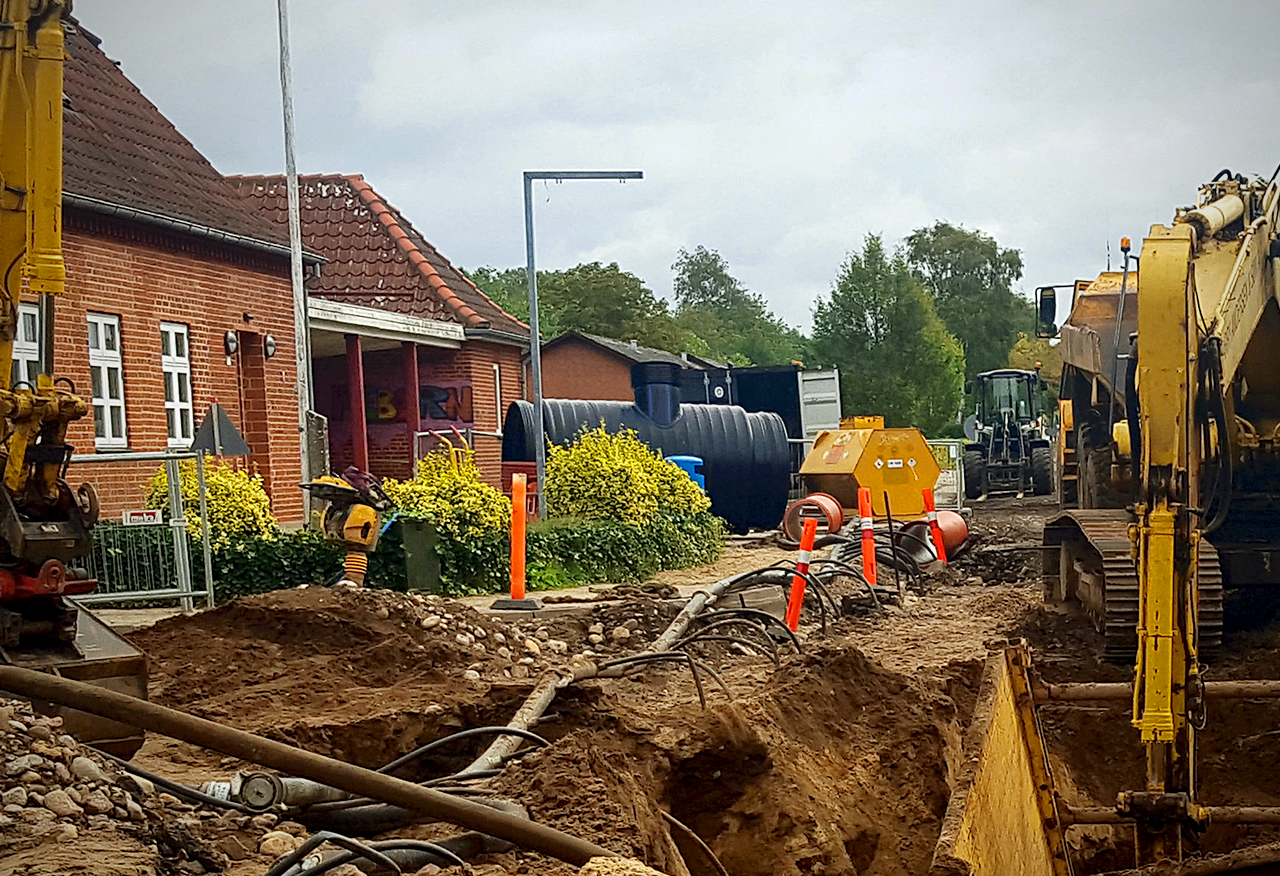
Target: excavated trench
[(839, 760)]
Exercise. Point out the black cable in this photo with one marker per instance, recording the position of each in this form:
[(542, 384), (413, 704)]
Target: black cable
[(756, 613), (463, 734), (732, 622), (660, 656), (320, 837), (176, 788), (442, 853), (733, 640)]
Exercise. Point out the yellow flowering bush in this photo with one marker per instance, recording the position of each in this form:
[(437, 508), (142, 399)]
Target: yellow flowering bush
[(236, 500), (617, 477), (455, 499)]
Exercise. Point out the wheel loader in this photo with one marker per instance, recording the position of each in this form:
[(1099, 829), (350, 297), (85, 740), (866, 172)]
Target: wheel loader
[(45, 525), (1007, 447)]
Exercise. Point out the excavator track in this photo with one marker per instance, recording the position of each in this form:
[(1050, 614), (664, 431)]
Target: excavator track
[(1088, 556)]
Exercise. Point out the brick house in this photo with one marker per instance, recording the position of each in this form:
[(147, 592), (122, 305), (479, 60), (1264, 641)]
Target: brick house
[(402, 342), (163, 261), (584, 366)]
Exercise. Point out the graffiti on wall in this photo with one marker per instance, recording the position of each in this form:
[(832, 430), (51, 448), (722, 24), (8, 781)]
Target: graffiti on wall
[(442, 404)]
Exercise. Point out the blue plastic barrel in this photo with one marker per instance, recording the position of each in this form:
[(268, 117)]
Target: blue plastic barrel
[(691, 464)]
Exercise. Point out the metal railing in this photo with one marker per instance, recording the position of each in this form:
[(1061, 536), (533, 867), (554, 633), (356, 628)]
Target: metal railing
[(134, 567)]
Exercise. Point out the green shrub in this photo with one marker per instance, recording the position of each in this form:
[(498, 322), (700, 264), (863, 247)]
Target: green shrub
[(608, 550), (251, 563), (236, 500), (617, 477), (472, 518)]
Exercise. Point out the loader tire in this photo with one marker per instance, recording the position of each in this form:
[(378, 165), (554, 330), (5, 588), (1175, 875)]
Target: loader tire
[(1041, 470), (975, 474), (1094, 463)]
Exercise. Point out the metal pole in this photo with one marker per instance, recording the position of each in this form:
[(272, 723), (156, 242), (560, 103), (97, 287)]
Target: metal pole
[(204, 532), (178, 526), (535, 350), (535, 342), (301, 331)]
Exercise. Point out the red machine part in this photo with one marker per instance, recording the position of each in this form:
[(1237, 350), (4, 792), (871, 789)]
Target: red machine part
[(822, 506), (52, 580)]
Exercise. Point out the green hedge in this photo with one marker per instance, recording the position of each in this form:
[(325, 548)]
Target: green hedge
[(561, 552)]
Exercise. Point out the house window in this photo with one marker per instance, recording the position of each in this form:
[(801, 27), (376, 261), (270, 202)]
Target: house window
[(497, 394), (106, 369), (26, 346), (175, 362)]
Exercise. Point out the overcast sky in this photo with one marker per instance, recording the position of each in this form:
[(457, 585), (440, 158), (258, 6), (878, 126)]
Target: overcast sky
[(779, 134)]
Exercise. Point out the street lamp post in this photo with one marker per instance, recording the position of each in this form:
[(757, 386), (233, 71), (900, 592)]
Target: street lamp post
[(535, 342)]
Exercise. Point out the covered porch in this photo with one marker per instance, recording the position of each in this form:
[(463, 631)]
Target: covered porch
[(380, 377)]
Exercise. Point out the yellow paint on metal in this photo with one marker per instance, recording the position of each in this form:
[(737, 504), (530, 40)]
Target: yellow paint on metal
[(862, 422), (893, 461), (1001, 820)]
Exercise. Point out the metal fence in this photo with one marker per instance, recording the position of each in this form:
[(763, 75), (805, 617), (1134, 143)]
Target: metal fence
[(143, 557)]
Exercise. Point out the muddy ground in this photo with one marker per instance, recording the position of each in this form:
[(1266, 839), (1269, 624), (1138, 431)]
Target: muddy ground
[(837, 760)]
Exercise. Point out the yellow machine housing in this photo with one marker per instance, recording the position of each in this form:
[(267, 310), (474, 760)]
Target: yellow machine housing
[(893, 462)]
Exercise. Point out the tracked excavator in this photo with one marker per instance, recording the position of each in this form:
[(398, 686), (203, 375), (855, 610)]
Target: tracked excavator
[(45, 525), (1171, 384)]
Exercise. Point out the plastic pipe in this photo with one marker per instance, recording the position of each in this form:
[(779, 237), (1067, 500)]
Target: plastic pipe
[(868, 526), (518, 490), (796, 599), (931, 514)]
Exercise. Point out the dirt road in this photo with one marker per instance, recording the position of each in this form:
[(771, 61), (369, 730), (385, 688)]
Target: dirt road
[(837, 760)]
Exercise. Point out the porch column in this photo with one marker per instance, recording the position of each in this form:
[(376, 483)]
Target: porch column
[(411, 407), (355, 394)]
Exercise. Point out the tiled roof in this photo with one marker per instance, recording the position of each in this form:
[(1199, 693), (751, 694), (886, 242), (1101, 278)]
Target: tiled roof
[(375, 256), (119, 150), (626, 349)]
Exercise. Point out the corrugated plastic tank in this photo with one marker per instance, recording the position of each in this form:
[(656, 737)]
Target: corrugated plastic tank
[(746, 460)]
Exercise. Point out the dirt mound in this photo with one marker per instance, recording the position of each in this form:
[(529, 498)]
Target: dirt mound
[(830, 764)]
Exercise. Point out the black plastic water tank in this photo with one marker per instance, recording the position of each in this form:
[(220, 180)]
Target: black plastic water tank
[(746, 459)]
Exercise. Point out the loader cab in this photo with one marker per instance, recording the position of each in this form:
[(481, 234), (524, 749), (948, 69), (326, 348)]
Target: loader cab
[(1007, 444), (1009, 396)]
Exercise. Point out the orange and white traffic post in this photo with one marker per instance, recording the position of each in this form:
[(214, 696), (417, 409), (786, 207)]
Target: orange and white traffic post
[(798, 583), (518, 489), (931, 514), (868, 526)]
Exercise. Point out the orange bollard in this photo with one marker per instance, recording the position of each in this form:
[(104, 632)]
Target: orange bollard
[(868, 535), (807, 535), (931, 514), (518, 508)]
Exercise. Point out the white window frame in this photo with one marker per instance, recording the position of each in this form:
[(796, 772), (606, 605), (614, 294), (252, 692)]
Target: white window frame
[(26, 346), (103, 362), (497, 396), (179, 413)]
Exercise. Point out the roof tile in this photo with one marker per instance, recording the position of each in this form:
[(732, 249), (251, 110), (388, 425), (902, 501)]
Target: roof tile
[(384, 263), (118, 148)]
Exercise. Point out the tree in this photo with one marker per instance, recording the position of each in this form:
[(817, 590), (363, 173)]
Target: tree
[(970, 278), (593, 298), (735, 323), (895, 356)]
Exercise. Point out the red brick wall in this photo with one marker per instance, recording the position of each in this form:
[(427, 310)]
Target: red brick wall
[(145, 277), (576, 369)]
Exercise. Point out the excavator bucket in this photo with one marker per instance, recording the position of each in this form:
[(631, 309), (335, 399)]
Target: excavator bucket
[(97, 655)]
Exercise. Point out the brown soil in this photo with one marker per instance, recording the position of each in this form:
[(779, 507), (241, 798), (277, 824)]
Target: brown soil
[(837, 761)]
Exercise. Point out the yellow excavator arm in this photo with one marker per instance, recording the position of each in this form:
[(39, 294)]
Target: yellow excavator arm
[(1202, 298)]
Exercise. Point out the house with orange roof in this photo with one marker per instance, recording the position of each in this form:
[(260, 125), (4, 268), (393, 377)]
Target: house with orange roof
[(404, 346)]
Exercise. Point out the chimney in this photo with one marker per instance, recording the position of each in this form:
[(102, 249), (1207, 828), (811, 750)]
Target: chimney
[(634, 344)]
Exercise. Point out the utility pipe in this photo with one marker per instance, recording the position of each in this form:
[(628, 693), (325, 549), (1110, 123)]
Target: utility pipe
[(1123, 690), (553, 682), (296, 762)]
